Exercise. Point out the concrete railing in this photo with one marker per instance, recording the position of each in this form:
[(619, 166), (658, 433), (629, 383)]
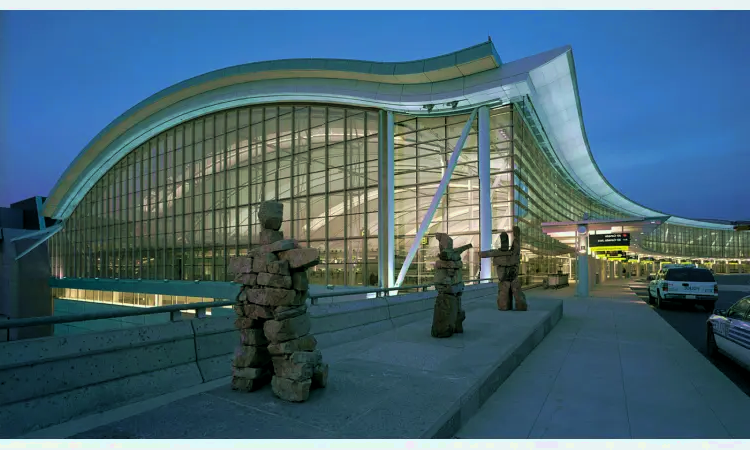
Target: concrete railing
[(47, 381)]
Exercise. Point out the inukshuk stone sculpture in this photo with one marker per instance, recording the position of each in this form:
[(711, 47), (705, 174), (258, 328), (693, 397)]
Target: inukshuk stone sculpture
[(448, 316), (507, 261), (275, 344)]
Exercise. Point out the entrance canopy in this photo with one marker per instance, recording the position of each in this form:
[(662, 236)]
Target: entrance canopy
[(566, 232)]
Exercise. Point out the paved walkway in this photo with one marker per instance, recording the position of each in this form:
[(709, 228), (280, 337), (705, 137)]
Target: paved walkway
[(398, 384), (612, 368)]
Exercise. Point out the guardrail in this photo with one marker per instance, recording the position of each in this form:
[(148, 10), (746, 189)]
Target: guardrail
[(199, 308)]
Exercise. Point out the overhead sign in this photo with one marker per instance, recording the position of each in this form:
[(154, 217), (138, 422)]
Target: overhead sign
[(609, 242)]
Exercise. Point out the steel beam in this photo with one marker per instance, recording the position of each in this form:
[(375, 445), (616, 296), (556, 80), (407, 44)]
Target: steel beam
[(485, 199), (48, 233), (436, 199)]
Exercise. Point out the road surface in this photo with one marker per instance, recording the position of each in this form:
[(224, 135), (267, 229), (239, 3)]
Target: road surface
[(690, 322)]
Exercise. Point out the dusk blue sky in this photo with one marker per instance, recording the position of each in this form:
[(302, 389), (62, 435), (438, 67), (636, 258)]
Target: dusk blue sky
[(664, 94)]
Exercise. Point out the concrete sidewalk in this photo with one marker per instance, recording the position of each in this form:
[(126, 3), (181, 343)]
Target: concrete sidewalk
[(398, 384), (612, 368)]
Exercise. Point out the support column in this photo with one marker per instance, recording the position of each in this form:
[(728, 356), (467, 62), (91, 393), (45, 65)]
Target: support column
[(582, 259), (582, 285), (386, 214), (485, 194)]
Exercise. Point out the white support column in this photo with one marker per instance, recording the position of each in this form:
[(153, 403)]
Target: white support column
[(386, 189), (436, 199), (485, 194), (582, 284)]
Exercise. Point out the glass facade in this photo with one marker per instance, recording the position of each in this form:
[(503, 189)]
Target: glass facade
[(422, 149), (693, 242), (180, 205)]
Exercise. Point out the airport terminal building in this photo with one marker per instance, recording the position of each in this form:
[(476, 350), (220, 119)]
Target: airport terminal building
[(370, 161)]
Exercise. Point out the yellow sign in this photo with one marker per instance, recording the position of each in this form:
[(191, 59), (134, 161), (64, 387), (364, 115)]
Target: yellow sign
[(619, 248), (424, 241)]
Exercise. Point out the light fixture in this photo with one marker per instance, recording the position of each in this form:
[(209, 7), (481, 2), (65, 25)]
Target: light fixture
[(429, 107), (452, 104)]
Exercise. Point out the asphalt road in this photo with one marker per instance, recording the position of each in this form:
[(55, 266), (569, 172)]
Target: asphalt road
[(690, 322)]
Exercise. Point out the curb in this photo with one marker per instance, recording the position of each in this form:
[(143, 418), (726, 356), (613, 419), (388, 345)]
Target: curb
[(470, 403)]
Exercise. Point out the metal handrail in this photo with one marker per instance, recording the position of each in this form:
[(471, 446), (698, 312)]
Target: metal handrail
[(200, 308), (383, 290), (53, 320)]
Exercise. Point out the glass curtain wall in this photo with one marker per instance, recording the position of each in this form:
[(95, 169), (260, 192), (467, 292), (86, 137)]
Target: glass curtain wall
[(693, 242), (541, 195), (178, 206), (422, 149)]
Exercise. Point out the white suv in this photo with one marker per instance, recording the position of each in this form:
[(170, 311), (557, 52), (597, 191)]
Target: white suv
[(684, 285)]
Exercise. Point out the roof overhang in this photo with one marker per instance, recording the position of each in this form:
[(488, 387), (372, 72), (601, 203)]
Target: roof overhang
[(566, 232), (450, 84)]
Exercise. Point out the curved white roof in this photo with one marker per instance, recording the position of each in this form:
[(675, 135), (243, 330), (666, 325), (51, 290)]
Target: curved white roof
[(472, 77)]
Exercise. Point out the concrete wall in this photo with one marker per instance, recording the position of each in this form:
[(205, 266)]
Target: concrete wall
[(51, 380), (24, 287), (64, 307)]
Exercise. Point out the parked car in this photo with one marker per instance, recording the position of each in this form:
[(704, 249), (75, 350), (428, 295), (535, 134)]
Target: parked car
[(684, 285), (728, 332)]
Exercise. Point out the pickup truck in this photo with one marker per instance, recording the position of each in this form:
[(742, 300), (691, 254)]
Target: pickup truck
[(686, 285)]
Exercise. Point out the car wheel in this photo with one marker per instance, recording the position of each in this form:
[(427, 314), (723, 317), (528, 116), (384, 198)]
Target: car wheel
[(650, 298), (710, 306), (658, 300), (711, 348)]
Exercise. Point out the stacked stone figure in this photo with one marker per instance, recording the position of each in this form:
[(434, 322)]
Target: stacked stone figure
[(448, 316), (275, 344), (507, 261)]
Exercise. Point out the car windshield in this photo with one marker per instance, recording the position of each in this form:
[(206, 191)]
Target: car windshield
[(697, 275)]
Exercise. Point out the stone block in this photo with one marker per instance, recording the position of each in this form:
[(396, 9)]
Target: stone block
[(261, 261), (274, 280), (240, 264), (444, 276), (305, 344), (313, 357), (300, 281), (272, 297), (246, 323), (444, 316), (449, 255), (439, 264), (287, 329), (286, 368), (270, 215), (445, 242), (249, 356), (267, 236), (278, 267), (239, 310), (278, 246), (454, 289), (287, 312), (253, 337), (301, 258), (246, 279), (250, 384), (502, 260), (253, 311), (320, 376), (291, 391)]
